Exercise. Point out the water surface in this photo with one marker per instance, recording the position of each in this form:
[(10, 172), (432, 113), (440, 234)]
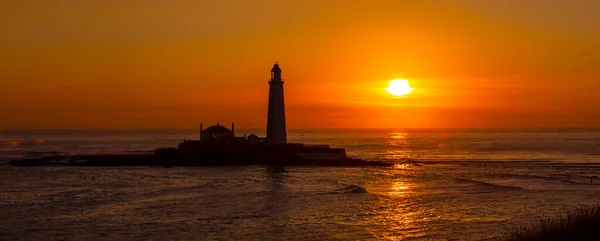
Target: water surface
[(448, 185)]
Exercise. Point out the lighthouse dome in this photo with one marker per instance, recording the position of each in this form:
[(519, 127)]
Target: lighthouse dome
[(276, 68)]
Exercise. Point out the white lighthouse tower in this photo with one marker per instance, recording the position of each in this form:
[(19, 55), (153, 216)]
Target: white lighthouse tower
[(276, 129)]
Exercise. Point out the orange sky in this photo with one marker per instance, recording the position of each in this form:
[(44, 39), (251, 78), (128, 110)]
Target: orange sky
[(161, 64)]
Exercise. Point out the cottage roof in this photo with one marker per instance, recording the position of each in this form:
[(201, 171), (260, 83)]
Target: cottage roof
[(217, 129)]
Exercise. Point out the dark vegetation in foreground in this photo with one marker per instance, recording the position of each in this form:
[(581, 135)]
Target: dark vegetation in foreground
[(580, 224)]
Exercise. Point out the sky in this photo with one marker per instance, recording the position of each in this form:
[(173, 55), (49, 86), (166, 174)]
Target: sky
[(154, 64)]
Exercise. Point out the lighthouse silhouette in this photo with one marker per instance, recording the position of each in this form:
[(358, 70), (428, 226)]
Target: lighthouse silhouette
[(276, 129)]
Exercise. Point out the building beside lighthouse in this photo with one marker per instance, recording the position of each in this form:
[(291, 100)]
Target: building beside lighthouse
[(216, 132)]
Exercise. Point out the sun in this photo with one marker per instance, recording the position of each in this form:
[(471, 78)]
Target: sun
[(399, 87)]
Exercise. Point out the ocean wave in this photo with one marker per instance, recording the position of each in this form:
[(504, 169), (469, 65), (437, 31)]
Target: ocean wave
[(233, 217), (528, 176), (479, 161), (572, 182), (348, 189), (582, 183), (44, 153), (582, 180), (488, 185), (353, 189)]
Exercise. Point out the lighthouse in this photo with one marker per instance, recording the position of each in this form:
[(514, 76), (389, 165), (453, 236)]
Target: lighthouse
[(276, 129)]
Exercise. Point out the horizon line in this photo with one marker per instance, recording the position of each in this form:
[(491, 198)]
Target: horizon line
[(311, 128)]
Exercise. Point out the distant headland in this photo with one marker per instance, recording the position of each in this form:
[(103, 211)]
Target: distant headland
[(219, 146)]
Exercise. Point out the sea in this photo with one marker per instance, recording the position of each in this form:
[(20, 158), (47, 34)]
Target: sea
[(446, 185)]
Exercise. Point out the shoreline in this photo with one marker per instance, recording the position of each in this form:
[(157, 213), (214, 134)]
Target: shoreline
[(155, 160)]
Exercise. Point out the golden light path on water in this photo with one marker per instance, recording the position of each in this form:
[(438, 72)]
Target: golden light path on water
[(400, 213), (400, 208), (412, 194), (398, 146)]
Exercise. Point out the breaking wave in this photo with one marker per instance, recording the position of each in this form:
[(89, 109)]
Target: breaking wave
[(488, 185), (348, 189), (353, 189)]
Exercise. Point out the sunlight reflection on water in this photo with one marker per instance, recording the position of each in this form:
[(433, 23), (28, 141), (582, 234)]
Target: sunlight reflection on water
[(398, 147)]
